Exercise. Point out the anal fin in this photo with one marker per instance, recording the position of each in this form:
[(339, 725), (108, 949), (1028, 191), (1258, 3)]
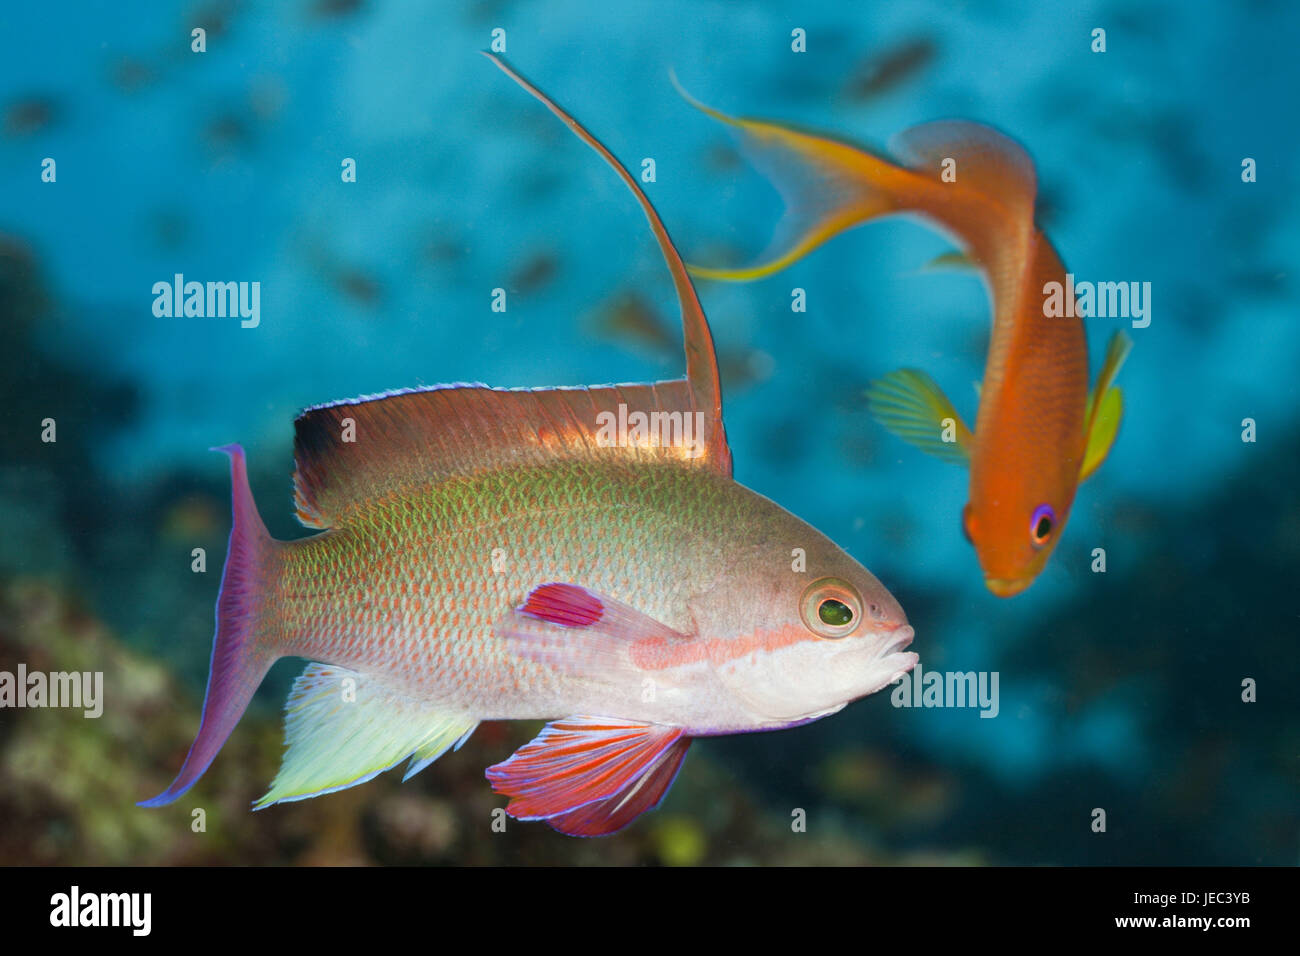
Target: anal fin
[(343, 728)]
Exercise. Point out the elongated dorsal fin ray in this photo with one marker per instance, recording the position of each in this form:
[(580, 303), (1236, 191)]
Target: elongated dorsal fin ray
[(701, 361), (347, 453)]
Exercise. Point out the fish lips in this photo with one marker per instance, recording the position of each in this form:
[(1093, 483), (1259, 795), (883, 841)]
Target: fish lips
[(895, 656), (1007, 587), (887, 659)]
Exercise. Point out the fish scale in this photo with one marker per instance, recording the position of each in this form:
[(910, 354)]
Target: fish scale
[(649, 538)]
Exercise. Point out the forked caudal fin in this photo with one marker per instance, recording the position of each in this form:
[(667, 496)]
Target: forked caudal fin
[(241, 654), (830, 186)]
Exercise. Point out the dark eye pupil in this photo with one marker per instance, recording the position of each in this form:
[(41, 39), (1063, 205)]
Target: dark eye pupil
[(1043, 528), (835, 613)]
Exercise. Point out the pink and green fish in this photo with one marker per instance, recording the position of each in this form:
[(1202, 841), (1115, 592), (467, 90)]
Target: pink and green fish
[(491, 554)]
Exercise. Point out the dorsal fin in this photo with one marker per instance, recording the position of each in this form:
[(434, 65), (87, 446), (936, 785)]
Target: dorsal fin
[(401, 440), (988, 162), (404, 440), (702, 379)]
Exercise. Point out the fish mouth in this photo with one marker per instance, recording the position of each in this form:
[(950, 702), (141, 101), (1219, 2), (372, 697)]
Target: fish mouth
[(892, 662), (893, 656), (1007, 587), (902, 637)]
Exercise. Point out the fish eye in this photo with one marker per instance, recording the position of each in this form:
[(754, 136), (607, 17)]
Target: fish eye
[(1041, 525), (830, 608), (834, 612)]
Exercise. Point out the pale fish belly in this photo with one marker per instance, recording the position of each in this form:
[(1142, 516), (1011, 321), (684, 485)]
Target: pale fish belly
[(410, 590)]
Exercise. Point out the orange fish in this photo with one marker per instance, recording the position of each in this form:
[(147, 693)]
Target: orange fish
[(1039, 431)]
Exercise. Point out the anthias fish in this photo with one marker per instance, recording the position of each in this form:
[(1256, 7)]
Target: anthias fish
[(484, 554), (1039, 431)]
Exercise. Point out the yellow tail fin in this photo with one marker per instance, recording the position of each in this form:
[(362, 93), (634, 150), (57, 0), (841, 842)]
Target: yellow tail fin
[(828, 187), (967, 177)]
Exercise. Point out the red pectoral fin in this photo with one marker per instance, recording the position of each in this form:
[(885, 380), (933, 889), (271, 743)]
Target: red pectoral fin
[(579, 632), (591, 776), (564, 604)]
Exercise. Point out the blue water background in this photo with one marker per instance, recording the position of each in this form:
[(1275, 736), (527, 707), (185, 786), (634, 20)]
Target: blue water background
[(462, 179)]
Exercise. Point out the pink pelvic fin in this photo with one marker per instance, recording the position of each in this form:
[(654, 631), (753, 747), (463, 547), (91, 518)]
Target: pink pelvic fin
[(612, 814), (590, 776)]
